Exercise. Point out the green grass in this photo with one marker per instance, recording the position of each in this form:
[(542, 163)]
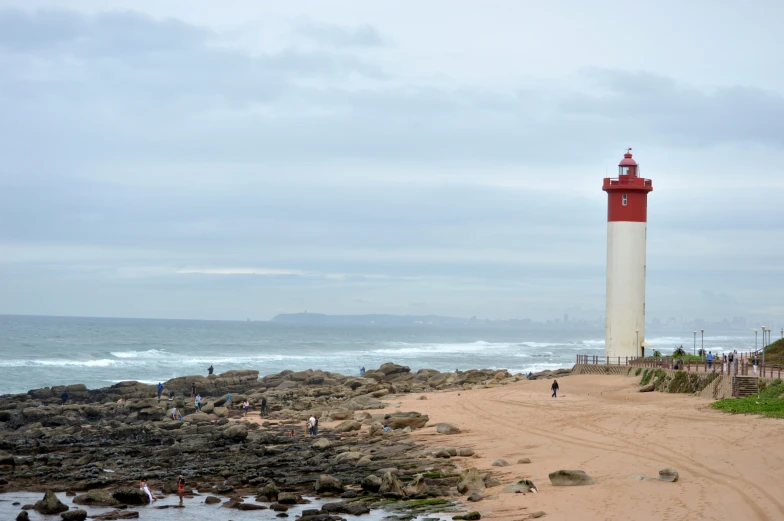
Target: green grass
[(774, 353), (769, 403), (638, 371), (431, 475)]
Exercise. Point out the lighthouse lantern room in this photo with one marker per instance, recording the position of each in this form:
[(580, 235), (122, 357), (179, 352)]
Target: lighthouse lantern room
[(627, 218)]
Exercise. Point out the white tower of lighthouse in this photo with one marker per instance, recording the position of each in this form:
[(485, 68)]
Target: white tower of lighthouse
[(627, 222)]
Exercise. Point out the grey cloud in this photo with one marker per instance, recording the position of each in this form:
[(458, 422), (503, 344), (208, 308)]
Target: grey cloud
[(337, 35)]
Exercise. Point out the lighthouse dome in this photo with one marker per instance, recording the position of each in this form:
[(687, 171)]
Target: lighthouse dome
[(627, 159)]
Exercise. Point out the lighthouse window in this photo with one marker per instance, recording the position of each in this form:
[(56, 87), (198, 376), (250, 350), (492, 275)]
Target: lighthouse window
[(624, 199), (623, 170)]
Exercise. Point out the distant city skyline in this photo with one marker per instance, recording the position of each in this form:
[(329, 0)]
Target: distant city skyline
[(203, 161)]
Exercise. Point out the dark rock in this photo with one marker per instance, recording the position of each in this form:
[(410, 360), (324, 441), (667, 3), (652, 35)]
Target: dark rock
[(537, 514), (212, 500), (50, 505), (130, 496), (391, 486), (570, 478), (236, 432), (250, 506), (277, 507), (447, 428), (349, 494), (114, 515), (326, 484), (472, 516), (669, 474), (371, 483), (269, 492), (74, 515), (347, 426), (23, 516), (7, 459), (96, 497), (289, 498)]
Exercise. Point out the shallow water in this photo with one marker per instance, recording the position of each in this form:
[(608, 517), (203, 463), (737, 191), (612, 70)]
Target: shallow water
[(193, 508)]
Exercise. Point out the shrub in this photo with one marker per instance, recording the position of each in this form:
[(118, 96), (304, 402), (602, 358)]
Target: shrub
[(639, 370)]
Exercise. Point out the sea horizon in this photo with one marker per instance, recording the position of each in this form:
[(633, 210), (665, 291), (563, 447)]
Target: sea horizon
[(43, 351)]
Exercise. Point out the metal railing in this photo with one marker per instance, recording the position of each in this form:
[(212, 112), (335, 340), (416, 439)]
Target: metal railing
[(742, 366)]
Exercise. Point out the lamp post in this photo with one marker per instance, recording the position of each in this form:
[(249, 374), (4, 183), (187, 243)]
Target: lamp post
[(702, 334), (763, 344), (755, 341), (694, 351)]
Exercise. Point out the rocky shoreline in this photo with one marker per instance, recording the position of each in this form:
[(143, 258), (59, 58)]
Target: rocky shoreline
[(97, 449)]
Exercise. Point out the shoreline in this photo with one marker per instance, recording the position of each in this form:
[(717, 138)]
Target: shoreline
[(600, 424)]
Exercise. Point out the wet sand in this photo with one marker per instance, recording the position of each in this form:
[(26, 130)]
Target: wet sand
[(731, 467)]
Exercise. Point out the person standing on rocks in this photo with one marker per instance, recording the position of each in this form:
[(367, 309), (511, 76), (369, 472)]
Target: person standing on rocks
[(193, 390), (312, 425), (263, 406), (315, 426), (160, 391), (181, 487), (64, 397), (210, 369), (246, 406), (228, 400), (198, 402), (554, 387), (144, 488)]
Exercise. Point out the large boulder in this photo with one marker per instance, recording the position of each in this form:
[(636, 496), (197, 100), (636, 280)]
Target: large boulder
[(347, 426), (339, 414), (401, 420), (197, 417), (236, 432), (470, 480), (391, 487), (371, 483), (74, 515), (669, 474), (130, 496), (389, 369), (289, 498), (570, 478), (23, 516), (96, 497), (269, 492), (326, 484), (348, 457), (321, 444), (50, 505), (416, 487), (447, 428)]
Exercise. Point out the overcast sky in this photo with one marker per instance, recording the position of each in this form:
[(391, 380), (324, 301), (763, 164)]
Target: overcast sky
[(224, 160)]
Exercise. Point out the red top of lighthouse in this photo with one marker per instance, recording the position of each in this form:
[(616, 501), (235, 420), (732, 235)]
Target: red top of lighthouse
[(628, 193)]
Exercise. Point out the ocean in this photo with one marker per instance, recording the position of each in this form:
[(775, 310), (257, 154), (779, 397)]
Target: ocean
[(45, 351)]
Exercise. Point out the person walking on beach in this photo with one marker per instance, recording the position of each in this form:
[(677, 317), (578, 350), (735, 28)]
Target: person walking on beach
[(263, 406), (246, 406), (64, 397), (160, 391), (228, 400), (144, 488), (554, 387), (710, 359), (198, 402), (180, 487)]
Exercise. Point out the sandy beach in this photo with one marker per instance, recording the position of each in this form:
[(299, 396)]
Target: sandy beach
[(730, 466)]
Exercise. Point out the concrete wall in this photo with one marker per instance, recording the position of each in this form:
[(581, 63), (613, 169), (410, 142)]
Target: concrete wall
[(625, 318)]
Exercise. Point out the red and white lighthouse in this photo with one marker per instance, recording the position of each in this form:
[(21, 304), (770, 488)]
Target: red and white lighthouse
[(627, 223)]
